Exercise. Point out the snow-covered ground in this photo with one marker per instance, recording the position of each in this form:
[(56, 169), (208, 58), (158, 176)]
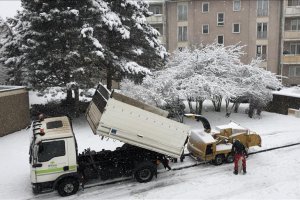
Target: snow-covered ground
[(271, 175)]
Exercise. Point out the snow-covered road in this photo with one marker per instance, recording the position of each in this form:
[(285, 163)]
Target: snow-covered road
[(271, 175)]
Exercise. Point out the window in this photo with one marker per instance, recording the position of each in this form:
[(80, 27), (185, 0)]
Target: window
[(294, 71), (236, 5), (205, 7), (49, 150), (54, 124), (295, 48), (220, 39), (293, 2), (295, 25), (182, 33), (262, 30), (262, 8), (205, 29), (182, 12), (220, 19), (155, 10), (180, 48), (236, 28), (261, 51), (158, 29)]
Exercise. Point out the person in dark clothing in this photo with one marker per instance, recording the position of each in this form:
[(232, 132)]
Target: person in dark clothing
[(239, 152)]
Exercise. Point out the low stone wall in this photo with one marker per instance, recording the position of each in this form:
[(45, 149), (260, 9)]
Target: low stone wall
[(14, 110), (282, 103)]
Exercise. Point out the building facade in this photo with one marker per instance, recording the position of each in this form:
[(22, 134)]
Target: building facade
[(269, 29), (158, 20), (290, 32)]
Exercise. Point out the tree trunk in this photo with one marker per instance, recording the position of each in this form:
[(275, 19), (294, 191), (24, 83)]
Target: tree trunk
[(109, 78), (236, 107), (217, 102), (69, 97), (189, 99), (227, 101), (76, 102), (199, 106)]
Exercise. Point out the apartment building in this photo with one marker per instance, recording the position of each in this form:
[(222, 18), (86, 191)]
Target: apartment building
[(254, 23), (290, 52), (158, 20)]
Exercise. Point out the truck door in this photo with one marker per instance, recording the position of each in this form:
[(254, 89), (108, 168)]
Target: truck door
[(52, 160)]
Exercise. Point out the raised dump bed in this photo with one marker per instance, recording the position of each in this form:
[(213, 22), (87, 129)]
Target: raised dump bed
[(119, 117)]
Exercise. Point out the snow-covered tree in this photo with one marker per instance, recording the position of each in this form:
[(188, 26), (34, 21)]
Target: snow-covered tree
[(210, 72), (122, 38), (13, 48)]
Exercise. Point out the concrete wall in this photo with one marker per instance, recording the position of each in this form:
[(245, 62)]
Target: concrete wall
[(14, 110), (281, 104)]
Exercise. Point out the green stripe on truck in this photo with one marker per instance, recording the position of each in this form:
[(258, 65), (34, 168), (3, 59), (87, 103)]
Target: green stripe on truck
[(54, 170)]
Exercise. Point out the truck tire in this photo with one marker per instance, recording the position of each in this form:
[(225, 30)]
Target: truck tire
[(67, 187), (219, 159), (144, 172), (230, 158)]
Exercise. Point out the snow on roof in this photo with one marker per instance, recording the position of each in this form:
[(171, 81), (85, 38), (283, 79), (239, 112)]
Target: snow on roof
[(230, 125), (198, 135), (291, 92), (4, 88)]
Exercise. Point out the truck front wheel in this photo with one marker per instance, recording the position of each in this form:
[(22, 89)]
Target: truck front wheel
[(219, 159), (68, 186), (144, 172), (229, 158)]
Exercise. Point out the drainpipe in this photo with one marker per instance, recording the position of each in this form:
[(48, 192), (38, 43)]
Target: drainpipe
[(281, 42)]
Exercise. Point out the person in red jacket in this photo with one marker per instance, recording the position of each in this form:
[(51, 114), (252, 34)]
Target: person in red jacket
[(239, 152)]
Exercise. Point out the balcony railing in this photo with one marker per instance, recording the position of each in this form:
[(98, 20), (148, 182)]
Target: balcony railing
[(155, 19), (292, 35), (292, 11), (162, 39), (290, 59)]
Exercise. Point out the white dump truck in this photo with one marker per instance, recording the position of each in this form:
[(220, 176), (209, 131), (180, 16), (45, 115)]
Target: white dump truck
[(150, 139), (148, 135)]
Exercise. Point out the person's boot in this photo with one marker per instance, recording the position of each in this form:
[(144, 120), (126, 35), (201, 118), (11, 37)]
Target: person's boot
[(235, 172), (244, 171)]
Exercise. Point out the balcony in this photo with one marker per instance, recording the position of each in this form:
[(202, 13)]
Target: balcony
[(162, 39), (292, 11), (155, 19), (291, 35), (290, 59)]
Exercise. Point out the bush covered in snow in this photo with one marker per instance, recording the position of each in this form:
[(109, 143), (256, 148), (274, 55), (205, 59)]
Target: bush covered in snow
[(213, 72)]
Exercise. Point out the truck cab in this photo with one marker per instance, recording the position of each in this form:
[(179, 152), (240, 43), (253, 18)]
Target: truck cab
[(53, 156)]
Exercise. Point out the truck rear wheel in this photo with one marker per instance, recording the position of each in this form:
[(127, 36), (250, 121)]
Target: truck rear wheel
[(144, 172), (219, 159), (68, 186)]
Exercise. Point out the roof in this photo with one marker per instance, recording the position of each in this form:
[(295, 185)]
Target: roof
[(290, 92), (198, 135), (11, 90), (5, 88), (230, 125), (55, 127)]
